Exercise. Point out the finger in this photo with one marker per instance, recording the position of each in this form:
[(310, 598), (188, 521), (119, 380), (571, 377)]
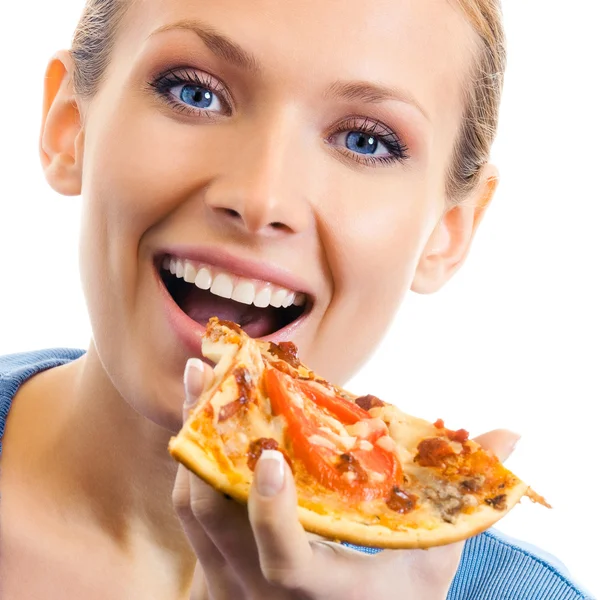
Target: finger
[(501, 442), (197, 377), (210, 558), (284, 550), (226, 523), (220, 581)]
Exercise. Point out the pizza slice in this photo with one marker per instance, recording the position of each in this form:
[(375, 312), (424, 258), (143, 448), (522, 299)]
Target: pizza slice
[(365, 472)]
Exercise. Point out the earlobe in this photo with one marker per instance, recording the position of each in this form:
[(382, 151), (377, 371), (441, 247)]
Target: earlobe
[(449, 244), (61, 139)]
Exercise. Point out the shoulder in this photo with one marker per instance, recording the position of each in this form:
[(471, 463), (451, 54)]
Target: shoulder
[(26, 364), (497, 566), (15, 369)]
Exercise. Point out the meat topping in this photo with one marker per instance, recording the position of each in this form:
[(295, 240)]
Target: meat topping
[(286, 351), (433, 452), (461, 436), (255, 449), (368, 402), (400, 501), (245, 394), (447, 499), (498, 502), (474, 484)]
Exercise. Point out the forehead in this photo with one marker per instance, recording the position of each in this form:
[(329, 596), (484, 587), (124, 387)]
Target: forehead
[(423, 46)]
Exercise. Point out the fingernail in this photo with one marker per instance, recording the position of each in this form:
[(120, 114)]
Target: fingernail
[(509, 446), (192, 380), (269, 473), (515, 442)]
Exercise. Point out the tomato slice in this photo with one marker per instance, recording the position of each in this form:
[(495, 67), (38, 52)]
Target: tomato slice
[(376, 470), (345, 410)]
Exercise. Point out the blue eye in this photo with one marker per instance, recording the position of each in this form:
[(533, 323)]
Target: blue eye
[(365, 144), (192, 92), (368, 142), (361, 142), (197, 96)]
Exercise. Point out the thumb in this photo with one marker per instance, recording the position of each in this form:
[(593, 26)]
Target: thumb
[(501, 442), (197, 377)]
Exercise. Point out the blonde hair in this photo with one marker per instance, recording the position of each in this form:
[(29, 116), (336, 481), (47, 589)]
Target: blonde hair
[(95, 37)]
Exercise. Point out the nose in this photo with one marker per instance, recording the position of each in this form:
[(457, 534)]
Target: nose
[(259, 187)]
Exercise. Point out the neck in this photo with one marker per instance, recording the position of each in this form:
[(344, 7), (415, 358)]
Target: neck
[(108, 466)]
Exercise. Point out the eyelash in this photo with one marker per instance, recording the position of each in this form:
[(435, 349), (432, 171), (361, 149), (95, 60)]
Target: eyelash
[(398, 151), (164, 83)]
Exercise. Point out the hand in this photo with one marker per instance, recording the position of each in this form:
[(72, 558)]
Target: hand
[(262, 552)]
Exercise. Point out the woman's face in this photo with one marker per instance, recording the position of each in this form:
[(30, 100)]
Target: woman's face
[(299, 145)]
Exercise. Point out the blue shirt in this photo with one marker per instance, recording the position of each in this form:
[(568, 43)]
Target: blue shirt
[(493, 566)]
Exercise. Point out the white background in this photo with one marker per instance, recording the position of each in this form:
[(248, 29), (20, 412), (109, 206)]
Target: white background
[(513, 341)]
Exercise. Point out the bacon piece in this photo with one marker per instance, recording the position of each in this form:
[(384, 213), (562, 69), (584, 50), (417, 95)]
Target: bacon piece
[(255, 449), (245, 394), (368, 402), (460, 436), (432, 452), (287, 352), (400, 501)]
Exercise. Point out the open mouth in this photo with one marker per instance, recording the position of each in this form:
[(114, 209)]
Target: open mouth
[(203, 291)]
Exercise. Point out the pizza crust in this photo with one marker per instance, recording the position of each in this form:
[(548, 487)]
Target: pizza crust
[(186, 450)]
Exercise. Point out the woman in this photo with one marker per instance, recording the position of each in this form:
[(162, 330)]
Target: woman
[(335, 151)]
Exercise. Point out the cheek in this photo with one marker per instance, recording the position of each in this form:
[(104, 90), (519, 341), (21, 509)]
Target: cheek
[(139, 168), (132, 175), (377, 238), (373, 237)]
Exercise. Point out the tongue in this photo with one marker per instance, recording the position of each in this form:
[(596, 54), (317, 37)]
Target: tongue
[(257, 322)]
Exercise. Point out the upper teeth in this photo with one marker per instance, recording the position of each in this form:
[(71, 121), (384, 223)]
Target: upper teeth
[(227, 285)]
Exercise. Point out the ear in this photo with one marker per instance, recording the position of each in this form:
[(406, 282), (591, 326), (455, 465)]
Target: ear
[(61, 139), (449, 244)]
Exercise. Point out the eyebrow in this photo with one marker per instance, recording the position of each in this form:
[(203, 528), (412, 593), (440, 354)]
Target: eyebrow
[(372, 93), (352, 91), (217, 43)]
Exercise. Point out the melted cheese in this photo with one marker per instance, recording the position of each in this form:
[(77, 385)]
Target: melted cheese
[(389, 445), (366, 427), (296, 399), (386, 443), (333, 424), (345, 441), (258, 427), (375, 476), (319, 440), (221, 399), (359, 429)]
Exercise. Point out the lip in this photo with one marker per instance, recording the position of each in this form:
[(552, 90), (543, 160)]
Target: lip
[(242, 267), (189, 331)]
